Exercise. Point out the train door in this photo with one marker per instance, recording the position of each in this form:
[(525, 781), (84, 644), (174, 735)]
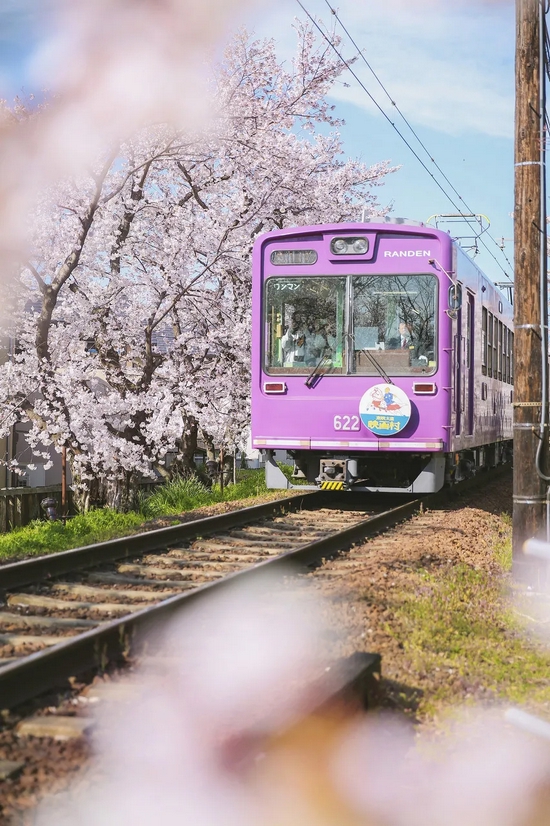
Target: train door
[(469, 365)]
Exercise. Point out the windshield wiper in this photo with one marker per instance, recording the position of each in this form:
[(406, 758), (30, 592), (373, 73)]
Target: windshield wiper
[(378, 367), (326, 361), (315, 375)]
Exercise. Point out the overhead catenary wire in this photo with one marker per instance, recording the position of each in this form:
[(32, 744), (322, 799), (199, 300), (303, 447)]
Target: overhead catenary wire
[(400, 134), (361, 54)]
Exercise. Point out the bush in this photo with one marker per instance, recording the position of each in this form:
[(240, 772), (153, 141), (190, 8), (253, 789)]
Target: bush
[(184, 494), (181, 494)]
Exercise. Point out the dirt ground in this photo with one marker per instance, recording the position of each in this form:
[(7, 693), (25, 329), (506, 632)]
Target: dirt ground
[(401, 594)]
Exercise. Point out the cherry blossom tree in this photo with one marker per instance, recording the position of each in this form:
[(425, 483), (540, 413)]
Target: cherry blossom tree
[(133, 319)]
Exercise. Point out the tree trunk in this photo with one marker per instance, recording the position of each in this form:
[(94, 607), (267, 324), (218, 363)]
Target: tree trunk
[(227, 469), (210, 449), (184, 463), (118, 493), (86, 492), (121, 493)]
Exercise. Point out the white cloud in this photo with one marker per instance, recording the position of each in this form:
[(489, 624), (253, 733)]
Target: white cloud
[(448, 66)]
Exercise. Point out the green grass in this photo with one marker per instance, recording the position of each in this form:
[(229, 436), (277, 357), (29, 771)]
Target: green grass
[(46, 537), (503, 546), (102, 524), (288, 470), (459, 622)]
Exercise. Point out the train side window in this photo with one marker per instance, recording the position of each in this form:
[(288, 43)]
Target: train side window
[(500, 350), (469, 324), (495, 348), (489, 344), (508, 353), (504, 353), (484, 341)]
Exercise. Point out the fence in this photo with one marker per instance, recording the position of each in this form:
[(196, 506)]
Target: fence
[(19, 506)]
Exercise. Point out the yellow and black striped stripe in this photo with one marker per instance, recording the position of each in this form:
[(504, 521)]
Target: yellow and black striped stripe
[(332, 485)]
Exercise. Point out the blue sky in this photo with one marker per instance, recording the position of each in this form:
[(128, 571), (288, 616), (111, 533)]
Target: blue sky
[(21, 22), (448, 65)]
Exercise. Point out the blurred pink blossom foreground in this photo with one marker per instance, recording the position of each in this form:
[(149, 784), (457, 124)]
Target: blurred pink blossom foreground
[(221, 734)]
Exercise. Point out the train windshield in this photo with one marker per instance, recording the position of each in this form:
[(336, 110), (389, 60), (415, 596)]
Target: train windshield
[(305, 324), (389, 327), (393, 319)]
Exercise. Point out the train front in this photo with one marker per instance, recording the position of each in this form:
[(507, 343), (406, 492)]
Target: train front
[(351, 356)]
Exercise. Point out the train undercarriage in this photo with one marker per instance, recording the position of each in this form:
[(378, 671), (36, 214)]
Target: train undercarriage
[(377, 472)]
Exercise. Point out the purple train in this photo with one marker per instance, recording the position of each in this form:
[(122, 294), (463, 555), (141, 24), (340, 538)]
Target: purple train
[(381, 358)]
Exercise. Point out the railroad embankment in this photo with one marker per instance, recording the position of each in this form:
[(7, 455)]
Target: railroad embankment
[(435, 598)]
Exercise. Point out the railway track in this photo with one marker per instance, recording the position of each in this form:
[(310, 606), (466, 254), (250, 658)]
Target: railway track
[(34, 734), (66, 613)]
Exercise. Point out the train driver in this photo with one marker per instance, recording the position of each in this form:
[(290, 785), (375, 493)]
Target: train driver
[(404, 340)]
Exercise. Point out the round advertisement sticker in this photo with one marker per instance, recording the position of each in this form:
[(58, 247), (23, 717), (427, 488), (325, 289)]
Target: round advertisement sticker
[(385, 409)]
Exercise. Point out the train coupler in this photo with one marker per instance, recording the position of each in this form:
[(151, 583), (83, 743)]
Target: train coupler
[(336, 474)]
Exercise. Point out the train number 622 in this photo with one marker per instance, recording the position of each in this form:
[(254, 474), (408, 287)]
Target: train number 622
[(347, 423)]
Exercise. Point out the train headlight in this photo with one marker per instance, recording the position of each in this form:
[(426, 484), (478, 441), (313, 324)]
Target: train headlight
[(360, 246), (339, 246), (349, 246)]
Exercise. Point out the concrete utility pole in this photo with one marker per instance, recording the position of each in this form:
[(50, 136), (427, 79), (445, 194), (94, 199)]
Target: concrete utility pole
[(530, 490)]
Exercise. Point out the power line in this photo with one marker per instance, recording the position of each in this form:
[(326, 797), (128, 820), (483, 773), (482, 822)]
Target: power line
[(406, 121), (401, 135)]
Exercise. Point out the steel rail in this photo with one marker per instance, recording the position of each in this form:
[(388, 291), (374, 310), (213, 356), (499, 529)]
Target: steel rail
[(47, 669), (28, 571)]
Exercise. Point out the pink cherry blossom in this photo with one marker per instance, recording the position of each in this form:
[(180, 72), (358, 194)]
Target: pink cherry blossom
[(133, 316)]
